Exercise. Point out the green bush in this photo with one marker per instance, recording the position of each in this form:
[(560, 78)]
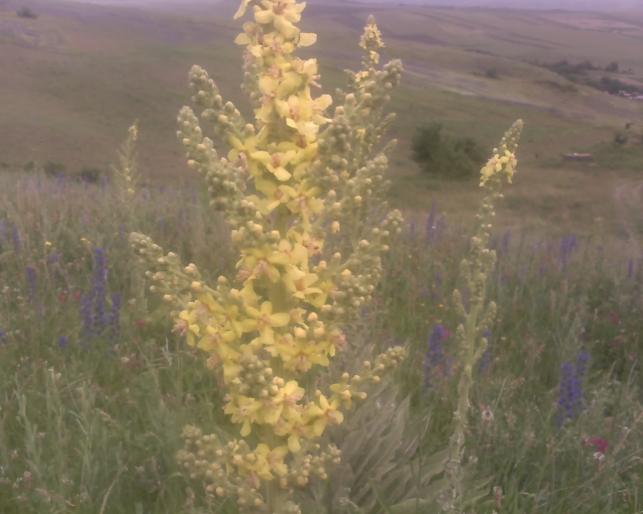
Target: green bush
[(26, 12), (491, 73), (54, 169), (443, 155), (90, 174)]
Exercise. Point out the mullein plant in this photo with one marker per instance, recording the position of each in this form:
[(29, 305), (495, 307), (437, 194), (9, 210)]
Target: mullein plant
[(477, 312), (125, 173), (296, 188)]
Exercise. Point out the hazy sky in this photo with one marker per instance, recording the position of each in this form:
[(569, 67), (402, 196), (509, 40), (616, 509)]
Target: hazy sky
[(521, 4)]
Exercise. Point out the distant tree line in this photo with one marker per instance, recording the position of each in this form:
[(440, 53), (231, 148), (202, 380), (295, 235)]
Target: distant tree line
[(57, 169), (585, 72)]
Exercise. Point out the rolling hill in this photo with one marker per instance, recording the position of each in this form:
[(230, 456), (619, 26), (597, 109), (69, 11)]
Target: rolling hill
[(81, 73)]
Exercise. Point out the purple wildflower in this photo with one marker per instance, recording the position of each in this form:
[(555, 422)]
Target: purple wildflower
[(53, 258), (86, 304), (434, 358), (63, 342), (31, 280), (582, 360), (570, 396), (567, 247), (15, 237), (99, 286), (505, 242)]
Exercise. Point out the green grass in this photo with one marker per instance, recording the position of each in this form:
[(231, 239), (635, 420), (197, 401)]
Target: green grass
[(91, 415), (94, 426)]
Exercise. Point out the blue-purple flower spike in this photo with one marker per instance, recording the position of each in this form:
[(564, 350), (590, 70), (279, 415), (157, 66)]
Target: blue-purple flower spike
[(99, 287), (434, 355), (570, 396), (31, 279)]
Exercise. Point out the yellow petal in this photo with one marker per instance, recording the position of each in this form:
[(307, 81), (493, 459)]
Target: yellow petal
[(285, 28), (293, 444), (242, 39), (319, 426), (264, 17), (281, 319), (282, 174), (267, 85), (242, 9), (307, 39), (289, 84), (261, 156)]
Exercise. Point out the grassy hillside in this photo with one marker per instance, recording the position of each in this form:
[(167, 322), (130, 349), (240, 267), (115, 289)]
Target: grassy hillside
[(82, 73), (517, 338)]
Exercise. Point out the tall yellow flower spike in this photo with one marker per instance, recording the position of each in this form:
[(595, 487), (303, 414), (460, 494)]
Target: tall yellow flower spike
[(478, 313), (295, 187)]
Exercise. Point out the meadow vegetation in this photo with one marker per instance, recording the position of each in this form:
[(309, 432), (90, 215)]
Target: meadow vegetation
[(512, 353)]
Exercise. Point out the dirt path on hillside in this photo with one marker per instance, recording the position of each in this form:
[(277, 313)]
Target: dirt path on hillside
[(628, 198)]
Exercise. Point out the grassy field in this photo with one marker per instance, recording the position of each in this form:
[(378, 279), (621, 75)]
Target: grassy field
[(82, 73), (91, 412), (97, 381)]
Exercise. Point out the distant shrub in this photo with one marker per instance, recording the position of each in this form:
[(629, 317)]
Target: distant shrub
[(492, 73), (621, 138), (90, 174), (54, 169), (442, 155), (612, 67), (615, 86), (567, 69), (26, 12)]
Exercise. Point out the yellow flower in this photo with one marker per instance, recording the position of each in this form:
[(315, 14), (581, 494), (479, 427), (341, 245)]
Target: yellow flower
[(293, 428), (299, 354), (275, 163), (282, 15), (301, 285), (243, 409), (246, 145), (263, 261), (267, 327), (265, 320), (269, 460), (319, 416), (504, 164), (187, 325), (286, 398)]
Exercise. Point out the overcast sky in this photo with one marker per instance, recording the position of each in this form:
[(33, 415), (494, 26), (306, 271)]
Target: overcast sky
[(528, 4)]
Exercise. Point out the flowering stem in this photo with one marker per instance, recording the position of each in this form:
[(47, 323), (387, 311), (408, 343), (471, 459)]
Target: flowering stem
[(478, 314)]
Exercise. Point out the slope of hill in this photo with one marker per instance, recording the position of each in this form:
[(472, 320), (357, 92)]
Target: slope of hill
[(80, 74)]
